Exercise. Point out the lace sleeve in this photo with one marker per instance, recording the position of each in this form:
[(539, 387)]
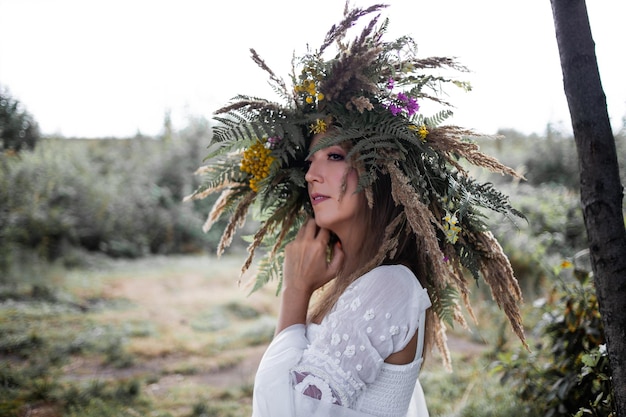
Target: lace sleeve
[(375, 317)]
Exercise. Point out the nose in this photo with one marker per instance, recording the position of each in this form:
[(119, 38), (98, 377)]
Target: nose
[(312, 173)]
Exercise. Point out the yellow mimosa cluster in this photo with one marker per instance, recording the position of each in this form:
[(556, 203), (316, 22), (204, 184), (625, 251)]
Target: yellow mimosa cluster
[(256, 161), (308, 87)]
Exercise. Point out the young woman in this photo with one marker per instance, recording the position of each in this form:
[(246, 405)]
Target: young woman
[(367, 219), (361, 352)]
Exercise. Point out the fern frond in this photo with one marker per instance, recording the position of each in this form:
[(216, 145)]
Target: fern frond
[(437, 118), (483, 195), (445, 303), (269, 269)]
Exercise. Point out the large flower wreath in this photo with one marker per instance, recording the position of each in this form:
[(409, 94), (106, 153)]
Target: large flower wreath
[(370, 90)]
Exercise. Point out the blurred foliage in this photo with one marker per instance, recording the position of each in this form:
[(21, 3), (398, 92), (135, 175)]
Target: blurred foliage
[(18, 129), (119, 197), (554, 229), (561, 168), (466, 392), (550, 158), (42, 331), (567, 373), (549, 199)]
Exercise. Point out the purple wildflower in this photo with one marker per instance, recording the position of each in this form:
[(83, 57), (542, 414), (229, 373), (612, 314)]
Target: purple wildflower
[(412, 106), (273, 141), (402, 97), (395, 110), (390, 83)]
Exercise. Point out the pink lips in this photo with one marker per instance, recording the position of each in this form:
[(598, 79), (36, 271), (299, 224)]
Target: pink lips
[(318, 198)]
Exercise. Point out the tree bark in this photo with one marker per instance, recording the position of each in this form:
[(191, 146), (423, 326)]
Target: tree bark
[(600, 187)]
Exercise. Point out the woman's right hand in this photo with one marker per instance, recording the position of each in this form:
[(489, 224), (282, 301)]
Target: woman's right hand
[(305, 269), (306, 266)]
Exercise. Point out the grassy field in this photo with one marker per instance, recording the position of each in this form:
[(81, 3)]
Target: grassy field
[(179, 337)]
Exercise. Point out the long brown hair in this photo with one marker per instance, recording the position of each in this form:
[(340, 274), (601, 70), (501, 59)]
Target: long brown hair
[(384, 222)]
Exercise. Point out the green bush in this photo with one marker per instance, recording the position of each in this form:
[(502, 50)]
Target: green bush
[(119, 197), (18, 129), (554, 228), (567, 372), (561, 167), (555, 223), (548, 159)]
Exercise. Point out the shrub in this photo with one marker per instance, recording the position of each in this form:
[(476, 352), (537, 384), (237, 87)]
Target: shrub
[(119, 197), (554, 228), (567, 373), (561, 167), (18, 129)]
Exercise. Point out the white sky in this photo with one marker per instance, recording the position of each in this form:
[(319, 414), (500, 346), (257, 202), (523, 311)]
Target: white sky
[(93, 68)]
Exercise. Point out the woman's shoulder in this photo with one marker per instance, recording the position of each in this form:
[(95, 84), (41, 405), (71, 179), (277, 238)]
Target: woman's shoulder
[(390, 282), (399, 270), (396, 274)]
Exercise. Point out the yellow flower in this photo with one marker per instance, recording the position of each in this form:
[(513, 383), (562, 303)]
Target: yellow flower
[(422, 132), (566, 264), (311, 88), (256, 161), (451, 219), (451, 228), (318, 127), (307, 88)]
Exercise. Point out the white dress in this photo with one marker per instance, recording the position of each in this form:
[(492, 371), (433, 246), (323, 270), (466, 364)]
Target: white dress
[(337, 368)]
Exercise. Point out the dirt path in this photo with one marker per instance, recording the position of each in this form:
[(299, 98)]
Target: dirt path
[(176, 304), (192, 334)]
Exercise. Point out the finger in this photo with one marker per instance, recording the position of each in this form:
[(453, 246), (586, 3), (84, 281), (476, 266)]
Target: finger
[(323, 235), (337, 259), (310, 229), (305, 230)]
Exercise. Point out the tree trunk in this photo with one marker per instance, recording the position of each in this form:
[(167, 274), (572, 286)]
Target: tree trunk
[(600, 187)]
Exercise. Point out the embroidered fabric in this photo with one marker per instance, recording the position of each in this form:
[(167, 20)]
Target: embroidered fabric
[(391, 392), (275, 396), (344, 361)]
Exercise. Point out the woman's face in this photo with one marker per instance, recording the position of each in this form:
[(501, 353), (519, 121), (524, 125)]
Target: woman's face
[(328, 171)]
